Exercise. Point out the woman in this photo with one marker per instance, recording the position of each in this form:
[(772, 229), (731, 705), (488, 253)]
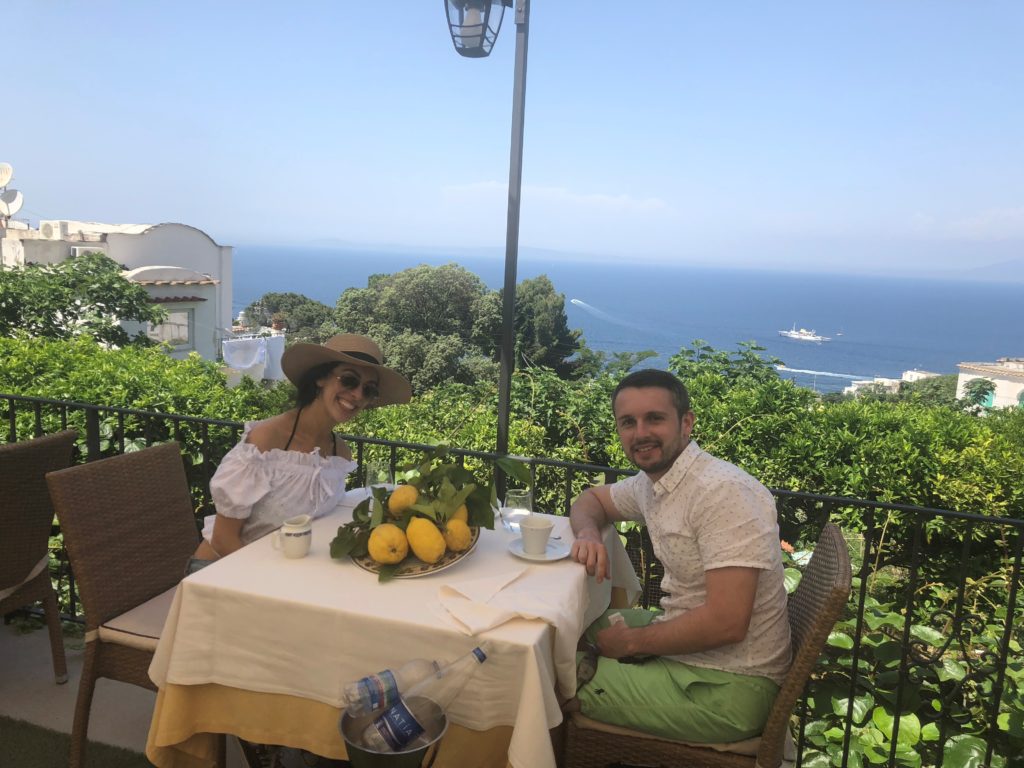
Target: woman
[(293, 463)]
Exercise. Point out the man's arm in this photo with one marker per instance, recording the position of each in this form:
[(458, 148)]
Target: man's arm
[(723, 619), (592, 510)]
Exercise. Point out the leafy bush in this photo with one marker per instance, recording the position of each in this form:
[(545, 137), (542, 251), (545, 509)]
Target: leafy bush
[(85, 295), (940, 685)]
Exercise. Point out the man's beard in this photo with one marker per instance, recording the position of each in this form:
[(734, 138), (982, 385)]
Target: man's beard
[(662, 464)]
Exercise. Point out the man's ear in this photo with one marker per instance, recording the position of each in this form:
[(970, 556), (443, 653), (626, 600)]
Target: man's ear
[(687, 422)]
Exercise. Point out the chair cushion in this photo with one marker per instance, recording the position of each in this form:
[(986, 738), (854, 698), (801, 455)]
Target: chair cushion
[(747, 747), (140, 627)]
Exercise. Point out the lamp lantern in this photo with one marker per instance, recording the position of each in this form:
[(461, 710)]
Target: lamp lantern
[(474, 25)]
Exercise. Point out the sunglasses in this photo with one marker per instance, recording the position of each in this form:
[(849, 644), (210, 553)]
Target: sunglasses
[(350, 381)]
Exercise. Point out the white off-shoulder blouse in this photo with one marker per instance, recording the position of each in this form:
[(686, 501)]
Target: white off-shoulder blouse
[(266, 488)]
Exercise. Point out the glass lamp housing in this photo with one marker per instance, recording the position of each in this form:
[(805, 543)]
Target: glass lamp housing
[(474, 25)]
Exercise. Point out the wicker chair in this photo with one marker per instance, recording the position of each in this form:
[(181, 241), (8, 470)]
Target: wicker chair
[(129, 531), (813, 610), (26, 517)]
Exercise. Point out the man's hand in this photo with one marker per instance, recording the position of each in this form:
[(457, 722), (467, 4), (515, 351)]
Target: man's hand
[(589, 549), (613, 641), (591, 511)]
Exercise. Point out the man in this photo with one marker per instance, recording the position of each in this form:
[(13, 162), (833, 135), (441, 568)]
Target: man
[(706, 669)]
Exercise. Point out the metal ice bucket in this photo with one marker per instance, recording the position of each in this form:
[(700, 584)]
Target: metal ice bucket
[(362, 757)]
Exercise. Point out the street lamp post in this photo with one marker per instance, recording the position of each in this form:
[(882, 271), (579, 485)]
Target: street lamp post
[(474, 26)]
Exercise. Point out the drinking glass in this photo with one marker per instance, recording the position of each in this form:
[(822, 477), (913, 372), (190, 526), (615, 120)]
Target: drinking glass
[(518, 504), (378, 473)]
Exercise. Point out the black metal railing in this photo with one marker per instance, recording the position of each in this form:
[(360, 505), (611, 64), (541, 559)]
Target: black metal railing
[(931, 629)]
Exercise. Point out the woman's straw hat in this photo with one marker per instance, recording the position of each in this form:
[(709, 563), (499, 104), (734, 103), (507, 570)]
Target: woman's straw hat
[(347, 348)]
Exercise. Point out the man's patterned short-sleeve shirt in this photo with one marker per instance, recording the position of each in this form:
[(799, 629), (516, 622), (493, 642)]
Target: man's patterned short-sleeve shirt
[(705, 513)]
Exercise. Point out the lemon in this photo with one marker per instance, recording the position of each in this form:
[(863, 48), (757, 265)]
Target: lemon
[(461, 514), (425, 539), (457, 535), (388, 544), (403, 497)]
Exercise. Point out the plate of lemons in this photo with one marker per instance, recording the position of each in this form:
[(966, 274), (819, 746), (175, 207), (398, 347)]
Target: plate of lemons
[(391, 543), (429, 521)]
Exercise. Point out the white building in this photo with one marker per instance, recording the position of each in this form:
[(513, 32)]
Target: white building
[(181, 268), (916, 375), (882, 384), (1007, 373)]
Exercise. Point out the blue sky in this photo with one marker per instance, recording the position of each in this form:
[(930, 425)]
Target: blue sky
[(865, 135)]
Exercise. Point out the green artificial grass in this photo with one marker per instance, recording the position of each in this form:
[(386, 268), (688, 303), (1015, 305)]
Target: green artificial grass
[(23, 745)]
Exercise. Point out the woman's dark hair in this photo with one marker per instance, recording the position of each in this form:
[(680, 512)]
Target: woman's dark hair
[(307, 389), (652, 377)]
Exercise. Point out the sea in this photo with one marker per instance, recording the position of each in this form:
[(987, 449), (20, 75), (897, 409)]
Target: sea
[(877, 326)]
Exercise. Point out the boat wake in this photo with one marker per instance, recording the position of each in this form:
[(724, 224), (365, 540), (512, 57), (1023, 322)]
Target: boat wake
[(820, 373), (601, 315)]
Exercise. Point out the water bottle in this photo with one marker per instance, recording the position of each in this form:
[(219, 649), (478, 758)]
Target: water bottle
[(380, 691), (400, 724)]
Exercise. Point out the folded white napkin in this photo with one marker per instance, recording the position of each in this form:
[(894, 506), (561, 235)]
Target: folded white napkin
[(467, 601), (478, 605)]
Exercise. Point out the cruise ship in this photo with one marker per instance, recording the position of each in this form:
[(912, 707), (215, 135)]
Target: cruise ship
[(803, 335)]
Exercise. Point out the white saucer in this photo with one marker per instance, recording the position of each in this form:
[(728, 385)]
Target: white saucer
[(556, 551)]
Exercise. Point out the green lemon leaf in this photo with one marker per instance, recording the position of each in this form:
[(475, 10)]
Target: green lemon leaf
[(514, 468), (378, 513)]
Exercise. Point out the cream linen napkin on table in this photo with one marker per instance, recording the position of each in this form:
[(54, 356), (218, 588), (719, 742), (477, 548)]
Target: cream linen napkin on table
[(478, 605), (468, 601)]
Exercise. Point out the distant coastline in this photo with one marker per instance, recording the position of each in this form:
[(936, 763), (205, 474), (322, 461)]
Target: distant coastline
[(1001, 270)]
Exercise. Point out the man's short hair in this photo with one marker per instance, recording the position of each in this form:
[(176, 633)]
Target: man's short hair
[(652, 377)]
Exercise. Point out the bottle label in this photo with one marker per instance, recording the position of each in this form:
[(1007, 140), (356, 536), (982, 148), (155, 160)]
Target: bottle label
[(397, 726), (380, 690)]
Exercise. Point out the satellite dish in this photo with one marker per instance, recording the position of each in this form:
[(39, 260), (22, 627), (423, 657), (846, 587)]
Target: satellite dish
[(6, 172), (11, 201)]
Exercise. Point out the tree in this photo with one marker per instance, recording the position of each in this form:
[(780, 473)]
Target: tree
[(542, 334), (935, 390), (978, 394), (744, 364), (303, 317), (433, 301), (442, 324), (86, 295)]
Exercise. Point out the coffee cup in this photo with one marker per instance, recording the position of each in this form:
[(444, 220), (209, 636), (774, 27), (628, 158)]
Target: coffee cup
[(535, 530), (294, 536)]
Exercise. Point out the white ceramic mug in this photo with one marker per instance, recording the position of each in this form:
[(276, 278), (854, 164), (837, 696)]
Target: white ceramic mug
[(535, 530), (294, 536)]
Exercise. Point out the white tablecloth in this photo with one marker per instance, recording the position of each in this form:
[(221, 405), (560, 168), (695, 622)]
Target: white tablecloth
[(260, 622)]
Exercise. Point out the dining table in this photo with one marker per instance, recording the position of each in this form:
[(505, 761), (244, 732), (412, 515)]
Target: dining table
[(260, 645)]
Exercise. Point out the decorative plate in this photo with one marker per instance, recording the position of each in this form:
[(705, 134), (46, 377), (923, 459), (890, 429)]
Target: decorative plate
[(412, 566)]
